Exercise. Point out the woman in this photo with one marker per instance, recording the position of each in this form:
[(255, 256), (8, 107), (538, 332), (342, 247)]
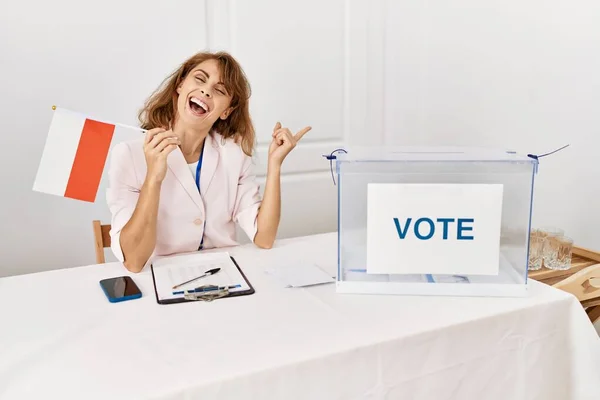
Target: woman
[(188, 182)]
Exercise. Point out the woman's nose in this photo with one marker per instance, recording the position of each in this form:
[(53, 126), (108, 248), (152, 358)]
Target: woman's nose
[(205, 92)]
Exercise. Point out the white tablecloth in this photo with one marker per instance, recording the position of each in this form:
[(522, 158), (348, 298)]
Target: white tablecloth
[(61, 339)]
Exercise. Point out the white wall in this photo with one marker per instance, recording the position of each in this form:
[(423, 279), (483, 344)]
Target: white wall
[(514, 74), (523, 75)]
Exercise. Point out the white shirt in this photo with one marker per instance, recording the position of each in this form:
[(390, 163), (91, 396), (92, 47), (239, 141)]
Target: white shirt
[(193, 169)]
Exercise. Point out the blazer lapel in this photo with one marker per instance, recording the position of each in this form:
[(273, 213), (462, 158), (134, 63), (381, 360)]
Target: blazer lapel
[(210, 161), (181, 170)]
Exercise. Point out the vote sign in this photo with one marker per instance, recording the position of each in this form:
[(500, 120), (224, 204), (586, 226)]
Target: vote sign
[(449, 229)]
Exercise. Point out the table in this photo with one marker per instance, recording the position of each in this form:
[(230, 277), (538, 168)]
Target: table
[(60, 338)]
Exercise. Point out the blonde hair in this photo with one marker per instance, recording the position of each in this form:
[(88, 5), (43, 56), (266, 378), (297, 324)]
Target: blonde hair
[(160, 108)]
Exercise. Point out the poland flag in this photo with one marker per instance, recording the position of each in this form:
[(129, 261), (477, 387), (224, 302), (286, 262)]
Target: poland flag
[(74, 156)]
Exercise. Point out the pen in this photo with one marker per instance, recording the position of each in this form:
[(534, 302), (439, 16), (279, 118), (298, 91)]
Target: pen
[(207, 289), (207, 273)]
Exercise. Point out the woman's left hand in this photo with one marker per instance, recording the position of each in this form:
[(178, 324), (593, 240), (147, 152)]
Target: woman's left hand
[(283, 142)]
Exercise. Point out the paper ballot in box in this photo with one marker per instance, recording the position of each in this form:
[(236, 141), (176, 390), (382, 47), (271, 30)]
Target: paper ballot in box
[(439, 221)]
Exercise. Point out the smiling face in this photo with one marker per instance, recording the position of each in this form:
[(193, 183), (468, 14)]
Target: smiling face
[(202, 97), (207, 92)]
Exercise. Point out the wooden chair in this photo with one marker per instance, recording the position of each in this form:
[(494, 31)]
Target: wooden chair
[(101, 240)]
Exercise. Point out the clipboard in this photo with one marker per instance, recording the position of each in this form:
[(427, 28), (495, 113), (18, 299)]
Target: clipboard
[(204, 296)]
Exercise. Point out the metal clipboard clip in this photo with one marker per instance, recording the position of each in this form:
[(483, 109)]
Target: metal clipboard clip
[(206, 293)]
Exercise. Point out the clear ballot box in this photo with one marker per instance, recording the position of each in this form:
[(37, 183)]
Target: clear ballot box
[(434, 221)]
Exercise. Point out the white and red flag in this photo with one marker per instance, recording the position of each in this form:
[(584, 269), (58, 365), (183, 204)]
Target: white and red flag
[(75, 155)]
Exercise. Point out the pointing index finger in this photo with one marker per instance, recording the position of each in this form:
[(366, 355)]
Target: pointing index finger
[(277, 126), (302, 132)]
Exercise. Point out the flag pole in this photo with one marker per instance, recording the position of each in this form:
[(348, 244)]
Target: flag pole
[(136, 128)]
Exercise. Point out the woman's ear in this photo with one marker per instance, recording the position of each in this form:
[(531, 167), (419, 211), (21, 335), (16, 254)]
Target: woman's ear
[(226, 113)]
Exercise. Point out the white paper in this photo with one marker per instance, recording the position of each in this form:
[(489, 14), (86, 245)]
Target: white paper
[(406, 232), (171, 271), (300, 274)]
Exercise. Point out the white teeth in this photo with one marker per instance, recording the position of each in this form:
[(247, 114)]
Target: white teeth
[(200, 103)]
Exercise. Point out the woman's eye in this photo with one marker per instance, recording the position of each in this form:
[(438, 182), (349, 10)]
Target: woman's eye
[(220, 91), (201, 79)]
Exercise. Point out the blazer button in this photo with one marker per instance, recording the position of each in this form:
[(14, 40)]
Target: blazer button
[(198, 221)]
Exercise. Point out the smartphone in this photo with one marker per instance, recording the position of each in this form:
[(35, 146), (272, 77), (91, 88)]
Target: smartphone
[(120, 289)]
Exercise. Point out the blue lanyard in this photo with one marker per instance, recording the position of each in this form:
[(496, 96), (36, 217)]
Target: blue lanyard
[(198, 168)]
